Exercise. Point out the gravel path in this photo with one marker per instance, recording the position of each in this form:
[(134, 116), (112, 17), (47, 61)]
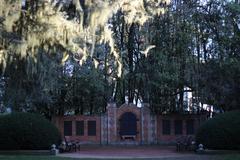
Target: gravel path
[(142, 152)]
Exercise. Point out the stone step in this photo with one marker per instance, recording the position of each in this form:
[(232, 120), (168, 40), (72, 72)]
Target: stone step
[(128, 143)]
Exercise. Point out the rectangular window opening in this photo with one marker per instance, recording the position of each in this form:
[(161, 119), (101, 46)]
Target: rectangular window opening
[(178, 126), (67, 128), (92, 128), (190, 127), (166, 127)]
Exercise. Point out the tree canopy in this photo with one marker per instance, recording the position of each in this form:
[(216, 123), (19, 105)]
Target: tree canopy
[(61, 57)]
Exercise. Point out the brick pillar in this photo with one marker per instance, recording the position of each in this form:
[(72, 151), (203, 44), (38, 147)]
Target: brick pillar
[(153, 129), (145, 124), (104, 129), (112, 123)]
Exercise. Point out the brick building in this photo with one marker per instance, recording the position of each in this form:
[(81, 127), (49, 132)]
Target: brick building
[(128, 124)]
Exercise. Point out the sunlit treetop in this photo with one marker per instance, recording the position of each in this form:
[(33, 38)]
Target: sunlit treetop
[(26, 26)]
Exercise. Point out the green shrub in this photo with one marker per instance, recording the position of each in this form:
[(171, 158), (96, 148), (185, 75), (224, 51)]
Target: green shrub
[(221, 132), (25, 131)]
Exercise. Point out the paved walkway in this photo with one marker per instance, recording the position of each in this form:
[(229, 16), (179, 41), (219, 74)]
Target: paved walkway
[(123, 152)]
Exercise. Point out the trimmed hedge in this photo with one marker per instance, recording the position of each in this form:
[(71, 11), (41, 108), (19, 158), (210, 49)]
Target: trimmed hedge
[(221, 132), (25, 131)]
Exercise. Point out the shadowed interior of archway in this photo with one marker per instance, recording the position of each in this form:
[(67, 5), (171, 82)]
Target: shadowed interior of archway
[(128, 124)]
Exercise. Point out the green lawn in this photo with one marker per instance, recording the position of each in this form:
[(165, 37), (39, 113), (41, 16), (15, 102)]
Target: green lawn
[(230, 157), (197, 157), (18, 157)]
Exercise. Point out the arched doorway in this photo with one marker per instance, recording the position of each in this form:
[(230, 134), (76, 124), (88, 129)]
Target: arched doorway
[(128, 126)]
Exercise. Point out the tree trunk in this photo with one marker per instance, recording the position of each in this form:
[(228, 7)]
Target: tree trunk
[(130, 63)]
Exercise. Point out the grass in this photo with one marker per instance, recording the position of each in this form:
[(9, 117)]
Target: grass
[(20, 157), (232, 157), (196, 157)]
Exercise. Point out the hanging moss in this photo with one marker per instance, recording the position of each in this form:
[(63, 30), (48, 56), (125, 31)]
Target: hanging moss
[(47, 23)]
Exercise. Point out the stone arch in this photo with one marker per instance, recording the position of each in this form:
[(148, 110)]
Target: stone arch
[(128, 108), (133, 132)]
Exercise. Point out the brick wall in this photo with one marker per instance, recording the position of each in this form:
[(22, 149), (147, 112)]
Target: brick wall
[(85, 138), (149, 126), (170, 138)]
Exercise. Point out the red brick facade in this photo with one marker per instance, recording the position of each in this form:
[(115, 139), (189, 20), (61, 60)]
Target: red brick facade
[(149, 128), (168, 138), (59, 122)]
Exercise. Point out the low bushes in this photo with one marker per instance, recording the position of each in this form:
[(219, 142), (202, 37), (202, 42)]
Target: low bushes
[(221, 132), (25, 131)]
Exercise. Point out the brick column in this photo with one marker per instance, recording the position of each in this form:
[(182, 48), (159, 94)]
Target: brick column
[(112, 123), (145, 124), (153, 129), (104, 129)]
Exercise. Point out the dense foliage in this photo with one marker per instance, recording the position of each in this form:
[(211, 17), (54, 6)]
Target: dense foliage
[(25, 131), (221, 132)]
